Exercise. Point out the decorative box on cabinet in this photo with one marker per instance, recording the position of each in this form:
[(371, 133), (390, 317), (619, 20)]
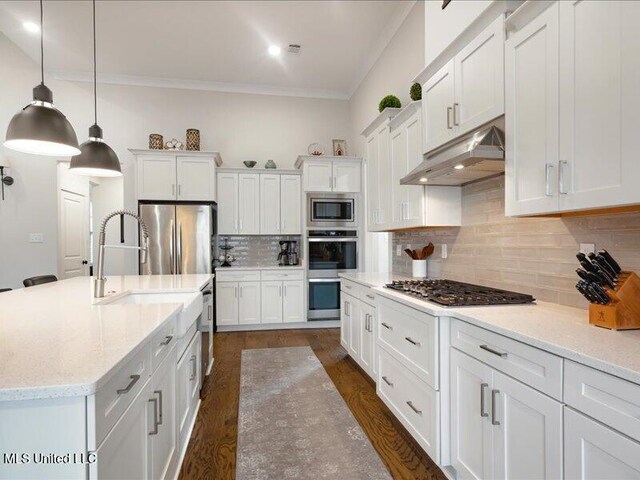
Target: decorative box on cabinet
[(330, 174)]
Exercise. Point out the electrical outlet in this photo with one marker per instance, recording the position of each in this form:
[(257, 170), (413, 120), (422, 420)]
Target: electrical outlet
[(398, 250), (444, 250), (36, 238), (587, 248)]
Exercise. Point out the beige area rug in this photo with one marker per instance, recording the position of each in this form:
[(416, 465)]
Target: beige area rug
[(293, 423)]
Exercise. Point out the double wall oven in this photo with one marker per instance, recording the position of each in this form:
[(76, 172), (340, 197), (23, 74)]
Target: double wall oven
[(329, 252)]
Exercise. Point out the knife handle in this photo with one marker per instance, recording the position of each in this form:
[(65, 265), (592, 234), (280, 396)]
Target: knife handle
[(607, 256)]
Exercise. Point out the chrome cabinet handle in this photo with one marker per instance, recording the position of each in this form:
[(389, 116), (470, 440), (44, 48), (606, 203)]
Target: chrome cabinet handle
[(386, 380), (171, 248), (134, 380), (561, 165), (370, 296), (285, 288), (456, 109), (166, 340), (235, 292), (193, 368), (419, 412), (159, 392), (179, 265), (412, 341), (449, 127), (482, 405), (155, 416), (495, 352), (547, 179), (348, 287), (173, 189), (494, 393), (210, 312), (387, 326), (368, 323)]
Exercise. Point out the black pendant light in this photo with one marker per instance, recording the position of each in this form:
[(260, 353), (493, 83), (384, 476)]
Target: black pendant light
[(96, 158), (40, 128)]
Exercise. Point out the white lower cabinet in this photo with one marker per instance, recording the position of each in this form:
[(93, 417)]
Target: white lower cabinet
[(249, 303), (351, 306), (188, 387), (593, 451), (358, 325), (367, 337), (162, 410), (345, 323), (271, 302), (227, 303), (292, 301), (500, 427)]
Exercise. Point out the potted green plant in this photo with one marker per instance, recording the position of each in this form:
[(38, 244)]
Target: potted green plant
[(390, 101), (415, 92)]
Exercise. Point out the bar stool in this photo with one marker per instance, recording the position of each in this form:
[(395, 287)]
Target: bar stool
[(5, 290), (39, 280)]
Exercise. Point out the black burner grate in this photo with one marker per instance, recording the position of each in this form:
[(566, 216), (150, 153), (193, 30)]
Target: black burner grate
[(457, 294)]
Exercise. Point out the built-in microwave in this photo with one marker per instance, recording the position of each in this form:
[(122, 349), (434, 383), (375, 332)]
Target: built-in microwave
[(331, 210)]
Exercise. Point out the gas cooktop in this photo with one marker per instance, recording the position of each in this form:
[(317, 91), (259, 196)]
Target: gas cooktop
[(458, 294)]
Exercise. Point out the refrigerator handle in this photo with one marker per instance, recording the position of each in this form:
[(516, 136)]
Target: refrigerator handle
[(171, 248), (179, 264)]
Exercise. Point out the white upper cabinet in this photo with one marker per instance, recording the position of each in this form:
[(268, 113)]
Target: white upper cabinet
[(571, 106), (468, 91), (188, 176), (331, 174), (227, 203), (248, 203), (196, 179), (270, 204), (531, 90), (373, 176), (290, 205)]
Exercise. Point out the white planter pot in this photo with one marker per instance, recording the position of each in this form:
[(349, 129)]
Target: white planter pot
[(419, 268)]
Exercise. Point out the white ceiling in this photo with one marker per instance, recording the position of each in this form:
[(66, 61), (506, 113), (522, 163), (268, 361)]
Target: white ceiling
[(212, 45)]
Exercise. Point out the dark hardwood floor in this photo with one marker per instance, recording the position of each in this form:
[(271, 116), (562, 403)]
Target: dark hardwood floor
[(212, 450)]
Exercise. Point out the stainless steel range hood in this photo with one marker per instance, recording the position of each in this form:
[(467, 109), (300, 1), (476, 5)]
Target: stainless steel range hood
[(472, 157)]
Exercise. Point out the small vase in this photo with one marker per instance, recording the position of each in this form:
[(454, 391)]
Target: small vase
[(419, 268), (270, 164), (193, 139), (156, 142)]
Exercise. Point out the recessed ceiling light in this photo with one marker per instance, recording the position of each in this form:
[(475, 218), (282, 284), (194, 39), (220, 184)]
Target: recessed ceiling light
[(31, 27), (459, 167), (274, 50), (423, 179)]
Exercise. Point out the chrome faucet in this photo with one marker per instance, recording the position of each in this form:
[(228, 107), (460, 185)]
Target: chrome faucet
[(99, 281)]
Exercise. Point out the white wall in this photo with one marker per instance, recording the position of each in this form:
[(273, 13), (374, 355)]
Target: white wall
[(392, 74), (240, 126)]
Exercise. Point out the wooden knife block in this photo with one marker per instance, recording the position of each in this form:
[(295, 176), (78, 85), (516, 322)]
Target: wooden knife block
[(623, 313)]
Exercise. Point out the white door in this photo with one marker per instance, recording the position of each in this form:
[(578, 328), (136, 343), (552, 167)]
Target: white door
[(227, 303), (527, 442), (532, 99), (385, 205), (228, 203), (595, 452), (249, 303), (398, 153), (163, 443), (270, 204), (353, 311), (293, 301), (471, 429), (415, 194), (345, 322), (248, 204), (479, 79), (196, 179), (367, 318), (437, 105), (184, 371), (73, 235), (373, 196), (318, 176), (346, 176), (156, 177), (272, 302), (600, 104), (290, 205)]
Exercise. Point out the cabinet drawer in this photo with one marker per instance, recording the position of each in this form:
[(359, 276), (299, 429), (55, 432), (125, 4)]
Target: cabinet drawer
[(237, 276), (282, 275), (352, 288), (532, 366), (162, 342), (116, 395), (611, 400), (411, 400), (411, 336), (183, 343), (367, 295)]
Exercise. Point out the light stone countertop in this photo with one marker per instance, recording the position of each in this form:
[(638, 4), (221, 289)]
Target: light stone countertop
[(563, 331), (54, 342), (275, 266)]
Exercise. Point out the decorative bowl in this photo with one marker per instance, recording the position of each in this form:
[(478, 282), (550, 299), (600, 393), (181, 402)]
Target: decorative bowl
[(315, 149), (249, 163)]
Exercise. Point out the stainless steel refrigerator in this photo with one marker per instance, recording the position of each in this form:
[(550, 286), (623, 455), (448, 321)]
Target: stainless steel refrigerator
[(181, 237)]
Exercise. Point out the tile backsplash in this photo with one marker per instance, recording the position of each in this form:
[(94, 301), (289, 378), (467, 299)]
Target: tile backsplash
[(530, 255), (257, 251)]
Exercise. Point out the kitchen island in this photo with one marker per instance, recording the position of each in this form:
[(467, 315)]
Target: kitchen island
[(99, 387)]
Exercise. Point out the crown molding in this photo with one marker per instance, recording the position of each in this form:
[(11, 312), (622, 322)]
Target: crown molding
[(205, 85)]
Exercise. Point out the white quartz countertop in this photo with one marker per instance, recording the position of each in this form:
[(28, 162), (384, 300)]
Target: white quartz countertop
[(55, 342), (563, 331), (262, 267)]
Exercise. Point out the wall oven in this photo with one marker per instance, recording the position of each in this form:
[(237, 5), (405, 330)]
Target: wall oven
[(331, 210), (329, 253)]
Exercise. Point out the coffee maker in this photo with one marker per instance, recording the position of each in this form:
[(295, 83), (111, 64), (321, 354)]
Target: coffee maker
[(288, 255)]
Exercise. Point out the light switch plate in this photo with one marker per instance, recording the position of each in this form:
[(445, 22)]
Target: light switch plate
[(398, 250), (36, 238), (444, 250), (587, 248)]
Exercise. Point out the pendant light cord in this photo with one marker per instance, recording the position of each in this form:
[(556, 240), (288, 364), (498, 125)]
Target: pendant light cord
[(95, 88), (41, 43)]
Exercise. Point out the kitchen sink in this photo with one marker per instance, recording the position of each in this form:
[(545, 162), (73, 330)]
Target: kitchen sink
[(191, 304)]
